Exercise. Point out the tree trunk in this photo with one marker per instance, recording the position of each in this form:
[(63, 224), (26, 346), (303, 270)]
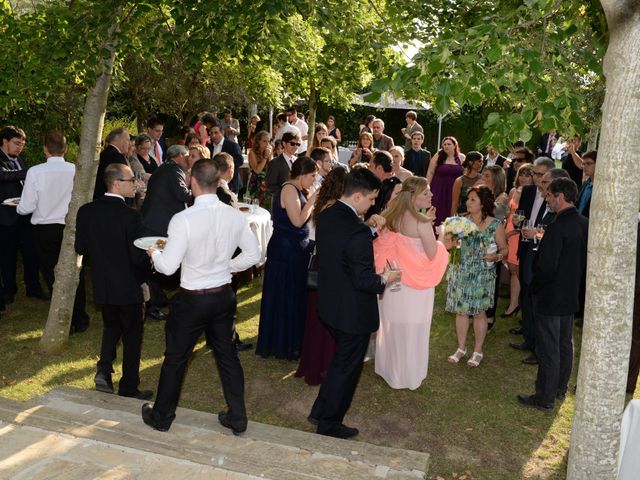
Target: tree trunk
[(604, 361), (313, 106), (56, 330)]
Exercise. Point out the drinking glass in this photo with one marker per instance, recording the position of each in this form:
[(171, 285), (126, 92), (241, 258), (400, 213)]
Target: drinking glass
[(527, 224), (517, 218), (539, 235), (256, 204), (397, 284), (246, 198)]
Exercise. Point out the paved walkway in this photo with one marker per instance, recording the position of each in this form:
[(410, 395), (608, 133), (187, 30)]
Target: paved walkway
[(71, 434)]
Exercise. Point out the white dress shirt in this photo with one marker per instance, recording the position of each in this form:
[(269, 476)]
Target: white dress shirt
[(202, 239), (217, 148), (47, 191), (302, 126), (287, 127), (537, 204)]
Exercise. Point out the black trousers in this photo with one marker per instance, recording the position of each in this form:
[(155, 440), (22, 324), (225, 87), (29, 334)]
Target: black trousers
[(48, 242), (18, 236), (124, 322), (190, 316), (343, 375), (529, 330), (634, 355), (554, 350)]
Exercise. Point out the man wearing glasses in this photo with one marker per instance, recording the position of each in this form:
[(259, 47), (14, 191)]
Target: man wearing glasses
[(16, 231), (322, 157), (279, 169), (105, 231)]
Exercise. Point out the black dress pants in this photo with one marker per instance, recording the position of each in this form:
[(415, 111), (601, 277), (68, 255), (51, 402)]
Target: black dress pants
[(554, 350), (343, 375), (18, 236), (124, 322), (189, 316), (529, 330), (48, 242)]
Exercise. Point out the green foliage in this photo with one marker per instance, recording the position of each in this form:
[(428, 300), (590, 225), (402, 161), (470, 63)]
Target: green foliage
[(536, 64)]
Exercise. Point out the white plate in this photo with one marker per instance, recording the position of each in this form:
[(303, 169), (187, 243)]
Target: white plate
[(146, 242), (11, 202)]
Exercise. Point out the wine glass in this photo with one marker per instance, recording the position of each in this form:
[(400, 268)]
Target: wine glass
[(527, 224), (397, 284), (517, 218), (539, 235)]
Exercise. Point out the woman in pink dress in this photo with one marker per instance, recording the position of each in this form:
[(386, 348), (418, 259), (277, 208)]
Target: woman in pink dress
[(444, 168), (402, 346)]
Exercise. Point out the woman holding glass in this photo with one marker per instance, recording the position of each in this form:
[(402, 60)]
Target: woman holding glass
[(259, 156), (471, 283), (365, 143), (409, 244), (284, 289)]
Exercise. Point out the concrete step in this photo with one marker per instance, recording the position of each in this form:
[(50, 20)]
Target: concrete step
[(197, 439)]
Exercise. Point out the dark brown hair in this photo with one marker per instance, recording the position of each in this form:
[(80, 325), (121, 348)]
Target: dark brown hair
[(487, 200)]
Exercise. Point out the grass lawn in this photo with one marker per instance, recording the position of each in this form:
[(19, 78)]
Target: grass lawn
[(467, 419)]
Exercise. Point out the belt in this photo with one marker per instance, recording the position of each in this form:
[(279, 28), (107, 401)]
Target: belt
[(205, 291)]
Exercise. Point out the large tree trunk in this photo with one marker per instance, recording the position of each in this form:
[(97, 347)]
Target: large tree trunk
[(56, 330), (611, 262), (313, 107)]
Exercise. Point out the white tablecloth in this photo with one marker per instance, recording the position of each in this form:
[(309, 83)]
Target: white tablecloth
[(629, 459), (260, 223)]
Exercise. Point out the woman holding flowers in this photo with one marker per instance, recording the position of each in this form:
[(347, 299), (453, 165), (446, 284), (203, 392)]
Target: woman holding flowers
[(402, 342), (472, 281)]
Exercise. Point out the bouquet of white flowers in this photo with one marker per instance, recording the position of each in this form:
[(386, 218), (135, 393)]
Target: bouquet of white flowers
[(457, 228)]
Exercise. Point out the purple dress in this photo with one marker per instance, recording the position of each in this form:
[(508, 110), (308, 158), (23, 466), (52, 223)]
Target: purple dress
[(442, 187)]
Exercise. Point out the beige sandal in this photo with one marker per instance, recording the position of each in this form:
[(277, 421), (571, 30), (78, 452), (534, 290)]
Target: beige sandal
[(456, 357), (475, 359)]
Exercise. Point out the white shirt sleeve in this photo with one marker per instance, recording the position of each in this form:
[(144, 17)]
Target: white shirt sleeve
[(29, 198), (250, 254), (168, 260)]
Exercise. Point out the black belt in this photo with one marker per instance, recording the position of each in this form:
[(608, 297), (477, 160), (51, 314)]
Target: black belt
[(205, 291)]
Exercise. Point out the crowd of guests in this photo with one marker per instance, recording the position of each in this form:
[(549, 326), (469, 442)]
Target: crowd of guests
[(370, 229)]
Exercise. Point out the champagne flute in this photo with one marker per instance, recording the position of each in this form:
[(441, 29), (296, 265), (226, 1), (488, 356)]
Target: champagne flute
[(517, 218), (527, 225), (539, 234)]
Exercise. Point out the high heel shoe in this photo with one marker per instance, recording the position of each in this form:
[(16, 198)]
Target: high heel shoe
[(513, 312)]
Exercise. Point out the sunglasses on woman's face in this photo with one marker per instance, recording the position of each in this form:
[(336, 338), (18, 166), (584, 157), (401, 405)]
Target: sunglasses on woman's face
[(297, 144)]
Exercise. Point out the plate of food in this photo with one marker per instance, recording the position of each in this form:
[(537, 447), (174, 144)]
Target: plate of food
[(244, 207), (11, 202), (146, 242)]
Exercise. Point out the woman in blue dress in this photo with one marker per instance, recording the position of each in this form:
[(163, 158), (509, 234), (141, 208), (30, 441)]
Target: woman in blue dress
[(284, 290), (471, 283)]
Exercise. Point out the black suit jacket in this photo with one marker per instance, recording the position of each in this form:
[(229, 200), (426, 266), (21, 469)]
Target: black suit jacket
[(499, 161), (167, 194), (347, 280), (560, 263), (105, 231), (417, 162), (278, 172), (233, 149), (10, 187), (108, 156), (525, 249)]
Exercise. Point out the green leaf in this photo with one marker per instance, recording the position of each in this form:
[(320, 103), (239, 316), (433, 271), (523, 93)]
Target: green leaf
[(525, 134), (493, 54), (547, 124), (442, 105), (488, 90), (444, 88), (436, 66), (475, 99), (492, 119), (536, 66)]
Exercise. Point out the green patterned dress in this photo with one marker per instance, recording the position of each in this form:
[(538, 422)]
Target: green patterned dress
[(471, 284)]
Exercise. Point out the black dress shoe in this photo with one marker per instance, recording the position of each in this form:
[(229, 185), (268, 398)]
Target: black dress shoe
[(524, 346), (78, 328), (530, 360), (139, 394), (512, 313), (147, 417), (242, 346), (103, 382), (156, 314), (223, 418), (338, 431), (516, 330), (313, 421), (531, 401)]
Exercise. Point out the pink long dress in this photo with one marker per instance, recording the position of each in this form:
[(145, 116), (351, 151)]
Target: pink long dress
[(402, 345)]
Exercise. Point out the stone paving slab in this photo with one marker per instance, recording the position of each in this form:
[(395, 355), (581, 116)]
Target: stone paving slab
[(196, 438)]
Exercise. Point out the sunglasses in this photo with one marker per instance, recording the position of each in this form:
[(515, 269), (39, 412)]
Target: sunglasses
[(132, 179), (297, 144)]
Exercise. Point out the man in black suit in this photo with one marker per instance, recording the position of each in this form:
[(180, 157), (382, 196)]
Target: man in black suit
[(158, 151), (117, 144), (532, 202), (219, 144), (279, 169), (558, 268), (417, 159), (493, 157), (546, 143), (167, 194), (16, 231), (347, 297), (105, 231)]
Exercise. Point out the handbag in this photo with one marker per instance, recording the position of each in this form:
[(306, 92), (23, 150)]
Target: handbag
[(312, 271)]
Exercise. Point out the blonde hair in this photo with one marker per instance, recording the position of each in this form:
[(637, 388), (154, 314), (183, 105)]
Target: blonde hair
[(405, 202), (204, 151)]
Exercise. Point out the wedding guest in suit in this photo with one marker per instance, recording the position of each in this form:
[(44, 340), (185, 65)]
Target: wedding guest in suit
[(155, 128), (493, 157), (116, 147), (555, 287), (416, 158), (380, 140), (520, 156), (413, 126), (105, 231), (278, 169), (584, 195), (167, 194), (45, 198), (206, 303), (347, 297), (143, 149), (230, 126), (221, 144), (16, 232), (546, 143)]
